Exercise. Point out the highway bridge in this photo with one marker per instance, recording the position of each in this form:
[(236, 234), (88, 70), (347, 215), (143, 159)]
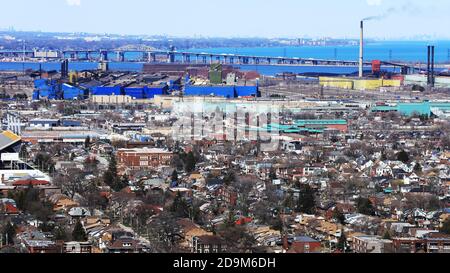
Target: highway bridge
[(184, 57)]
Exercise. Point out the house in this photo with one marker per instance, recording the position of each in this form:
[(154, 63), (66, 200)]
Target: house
[(302, 244), (189, 230), (41, 246), (208, 244), (79, 212), (21, 184), (371, 244), (408, 245), (8, 207), (77, 247), (437, 243), (126, 244), (229, 195), (62, 202)]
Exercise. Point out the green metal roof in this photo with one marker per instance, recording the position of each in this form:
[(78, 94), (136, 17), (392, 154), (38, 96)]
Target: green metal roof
[(384, 108), (321, 122), (422, 108)]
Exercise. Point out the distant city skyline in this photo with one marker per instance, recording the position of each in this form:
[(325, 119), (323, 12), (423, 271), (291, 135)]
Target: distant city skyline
[(392, 19)]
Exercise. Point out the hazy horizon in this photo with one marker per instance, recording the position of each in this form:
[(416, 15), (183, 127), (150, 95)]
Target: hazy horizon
[(391, 19)]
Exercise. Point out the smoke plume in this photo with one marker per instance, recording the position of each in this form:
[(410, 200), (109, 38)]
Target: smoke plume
[(408, 7)]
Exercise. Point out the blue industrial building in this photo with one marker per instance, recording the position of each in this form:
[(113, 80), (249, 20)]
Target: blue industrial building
[(247, 91), (151, 92), (106, 90), (70, 92), (53, 90), (145, 92), (48, 89), (222, 91)]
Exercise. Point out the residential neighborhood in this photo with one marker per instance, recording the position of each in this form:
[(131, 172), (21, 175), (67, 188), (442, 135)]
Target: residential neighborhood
[(340, 181)]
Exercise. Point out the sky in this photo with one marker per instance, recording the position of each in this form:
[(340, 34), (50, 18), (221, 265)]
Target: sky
[(395, 19)]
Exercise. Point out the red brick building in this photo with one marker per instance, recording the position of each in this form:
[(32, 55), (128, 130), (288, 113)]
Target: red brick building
[(302, 244), (143, 158), (229, 195)]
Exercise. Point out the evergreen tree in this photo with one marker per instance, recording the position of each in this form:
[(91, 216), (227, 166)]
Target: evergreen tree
[(229, 178), (110, 177), (230, 221), (272, 174), (112, 167), (387, 235), (342, 242), (60, 234), (306, 201), (364, 206), (190, 162), (446, 226), (87, 142), (78, 233), (120, 183), (8, 231), (403, 156), (174, 176), (417, 168), (179, 207), (339, 216)]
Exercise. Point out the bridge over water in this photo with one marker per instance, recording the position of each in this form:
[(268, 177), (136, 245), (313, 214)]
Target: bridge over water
[(185, 57)]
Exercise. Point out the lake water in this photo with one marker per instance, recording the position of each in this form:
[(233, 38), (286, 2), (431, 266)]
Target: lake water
[(387, 51)]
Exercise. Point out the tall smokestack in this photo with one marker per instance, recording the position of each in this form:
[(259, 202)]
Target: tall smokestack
[(429, 65), (432, 66), (361, 51)]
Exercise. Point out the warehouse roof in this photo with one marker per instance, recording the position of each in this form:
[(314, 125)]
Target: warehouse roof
[(8, 138)]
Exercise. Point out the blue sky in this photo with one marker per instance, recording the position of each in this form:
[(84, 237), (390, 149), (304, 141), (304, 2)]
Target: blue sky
[(232, 18)]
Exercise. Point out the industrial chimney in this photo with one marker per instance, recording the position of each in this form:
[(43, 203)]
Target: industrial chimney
[(361, 51)]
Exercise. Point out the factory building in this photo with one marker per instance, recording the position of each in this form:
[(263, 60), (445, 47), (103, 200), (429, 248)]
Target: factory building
[(311, 126), (218, 91), (144, 92), (358, 84), (52, 90), (439, 82), (222, 91), (410, 109), (11, 166), (70, 92), (46, 89)]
